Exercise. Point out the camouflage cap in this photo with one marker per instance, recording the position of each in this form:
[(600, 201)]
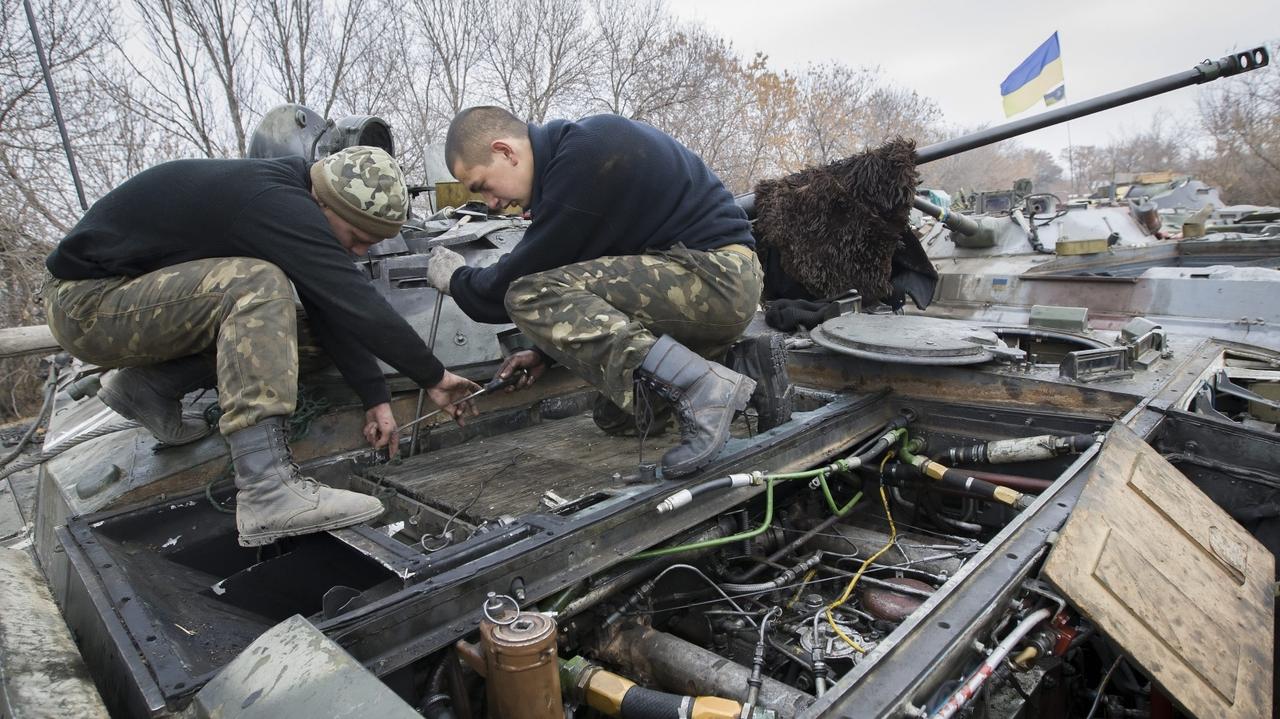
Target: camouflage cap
[(364, 186)]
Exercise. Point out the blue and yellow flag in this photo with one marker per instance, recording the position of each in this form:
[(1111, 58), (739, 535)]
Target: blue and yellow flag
[(1036, 77)]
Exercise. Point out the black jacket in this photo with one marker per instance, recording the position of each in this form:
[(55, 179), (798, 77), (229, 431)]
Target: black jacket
[(605, 186), (199, 209)]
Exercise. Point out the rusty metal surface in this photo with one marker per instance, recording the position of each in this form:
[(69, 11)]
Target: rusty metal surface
[(893, 606)]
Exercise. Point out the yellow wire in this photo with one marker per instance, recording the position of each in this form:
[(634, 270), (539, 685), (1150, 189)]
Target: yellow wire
[(893, 537)]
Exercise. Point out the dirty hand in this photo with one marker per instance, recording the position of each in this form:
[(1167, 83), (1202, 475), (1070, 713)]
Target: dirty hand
[(523, 360), (452, 388), (381, 430), (444, 262)]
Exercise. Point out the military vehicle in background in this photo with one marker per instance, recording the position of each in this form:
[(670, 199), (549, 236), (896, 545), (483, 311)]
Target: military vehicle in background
[(1166, 248), (862, 559)]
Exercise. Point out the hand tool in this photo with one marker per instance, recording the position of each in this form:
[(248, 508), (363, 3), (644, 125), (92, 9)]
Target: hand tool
[(493, 385)]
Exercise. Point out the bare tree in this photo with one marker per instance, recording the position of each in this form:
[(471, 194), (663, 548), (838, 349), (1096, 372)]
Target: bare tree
[(37, 202), (633, 39), (310, 46), (1241, 118), (397, 77), (541, 58), (202, 76), (454, 35)]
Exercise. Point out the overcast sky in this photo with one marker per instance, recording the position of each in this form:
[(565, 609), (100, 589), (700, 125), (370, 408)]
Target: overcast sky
[(958, 53)]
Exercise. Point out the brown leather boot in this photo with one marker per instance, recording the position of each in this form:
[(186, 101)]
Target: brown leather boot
[(705, 395), (275, 500)]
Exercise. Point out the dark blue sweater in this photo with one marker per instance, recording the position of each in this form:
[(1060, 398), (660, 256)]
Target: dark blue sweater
[(605, 186)]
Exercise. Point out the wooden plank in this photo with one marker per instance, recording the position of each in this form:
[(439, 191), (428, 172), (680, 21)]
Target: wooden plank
[(24, 341), (571, 457), (1168, 575)]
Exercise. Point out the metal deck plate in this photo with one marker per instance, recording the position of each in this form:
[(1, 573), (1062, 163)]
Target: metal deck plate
[(908, 339)]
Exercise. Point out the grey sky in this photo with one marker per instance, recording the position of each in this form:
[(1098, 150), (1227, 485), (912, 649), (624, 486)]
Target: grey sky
[(957, 53)]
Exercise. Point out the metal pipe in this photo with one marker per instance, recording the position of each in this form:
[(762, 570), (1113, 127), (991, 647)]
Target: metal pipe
[(975, 681), (53, 100), (955, 222), (1206, 71), (779, 581), (686, 668)]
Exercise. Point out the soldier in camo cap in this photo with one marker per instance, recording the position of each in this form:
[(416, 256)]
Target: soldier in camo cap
[(185, 275), (364, 186)]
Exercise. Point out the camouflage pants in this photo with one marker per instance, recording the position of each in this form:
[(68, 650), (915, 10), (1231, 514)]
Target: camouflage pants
[(241, 310), (600, 318)]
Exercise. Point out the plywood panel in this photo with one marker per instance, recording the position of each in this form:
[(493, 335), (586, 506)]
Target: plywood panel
[(1179, 585)]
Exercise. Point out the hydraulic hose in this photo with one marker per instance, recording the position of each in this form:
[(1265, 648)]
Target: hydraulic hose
[(975, 681), (1026, 449), (895, 432), (960, 479), (1027, 485), (616, 696)]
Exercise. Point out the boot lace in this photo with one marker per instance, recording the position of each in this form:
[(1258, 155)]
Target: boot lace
[(309, 485)]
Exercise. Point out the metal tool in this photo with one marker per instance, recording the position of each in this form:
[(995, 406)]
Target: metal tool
[(493, 385)]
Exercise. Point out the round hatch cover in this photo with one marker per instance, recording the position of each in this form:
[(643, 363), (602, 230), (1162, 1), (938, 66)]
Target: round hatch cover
[(911, 339)]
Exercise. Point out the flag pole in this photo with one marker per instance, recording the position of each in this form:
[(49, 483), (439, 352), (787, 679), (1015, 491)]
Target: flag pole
[(1071, 162)]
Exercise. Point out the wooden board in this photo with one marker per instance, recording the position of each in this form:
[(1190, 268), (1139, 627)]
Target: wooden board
[(1184, 590), (570, 457), (23, 341)]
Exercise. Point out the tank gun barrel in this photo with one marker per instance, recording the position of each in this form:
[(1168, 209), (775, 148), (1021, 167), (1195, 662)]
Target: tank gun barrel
[(1207, 71)]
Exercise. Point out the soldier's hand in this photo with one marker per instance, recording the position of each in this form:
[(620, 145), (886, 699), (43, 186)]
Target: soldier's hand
[(450, 389), (523, 360), (381, 430), (441, 266)]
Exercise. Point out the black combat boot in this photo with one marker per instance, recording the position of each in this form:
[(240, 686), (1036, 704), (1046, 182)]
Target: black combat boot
[(763, 358), (651, 421), (152, 396), (705, 395), (274, 499)]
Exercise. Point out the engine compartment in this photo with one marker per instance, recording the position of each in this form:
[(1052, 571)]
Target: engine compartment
[(806, 560)]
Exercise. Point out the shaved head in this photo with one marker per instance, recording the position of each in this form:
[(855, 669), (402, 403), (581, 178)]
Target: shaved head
[(472, 131)]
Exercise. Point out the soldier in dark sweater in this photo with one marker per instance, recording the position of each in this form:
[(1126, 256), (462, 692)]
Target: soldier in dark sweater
[(638, 266), (195, 261)]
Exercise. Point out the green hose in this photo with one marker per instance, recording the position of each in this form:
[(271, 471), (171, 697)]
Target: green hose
[(840, 465), (707, 543)]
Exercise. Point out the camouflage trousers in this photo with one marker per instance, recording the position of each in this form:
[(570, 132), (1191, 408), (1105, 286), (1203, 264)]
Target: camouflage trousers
[(238, 309), (600, 318)]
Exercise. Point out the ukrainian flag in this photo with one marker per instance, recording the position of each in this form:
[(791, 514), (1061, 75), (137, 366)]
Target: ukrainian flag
[(1035, 78)]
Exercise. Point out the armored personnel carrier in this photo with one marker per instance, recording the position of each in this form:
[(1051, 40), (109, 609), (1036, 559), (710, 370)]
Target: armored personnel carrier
[(862, 559)]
